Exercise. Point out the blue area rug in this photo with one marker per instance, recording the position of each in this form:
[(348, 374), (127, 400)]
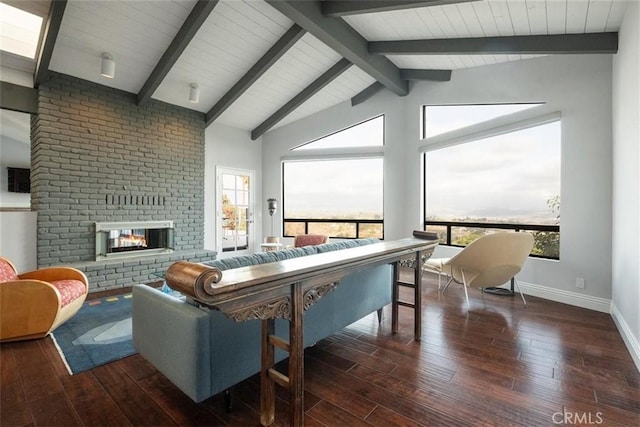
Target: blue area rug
[(99, 333)]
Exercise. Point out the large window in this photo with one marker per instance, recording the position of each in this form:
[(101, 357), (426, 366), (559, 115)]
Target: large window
[(337, 195), (493, 179)]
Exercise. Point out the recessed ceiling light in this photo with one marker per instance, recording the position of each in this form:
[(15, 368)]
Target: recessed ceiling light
[(108, 66), (194, 93)]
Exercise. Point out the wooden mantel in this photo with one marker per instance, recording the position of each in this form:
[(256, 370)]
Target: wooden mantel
[(285, 289)]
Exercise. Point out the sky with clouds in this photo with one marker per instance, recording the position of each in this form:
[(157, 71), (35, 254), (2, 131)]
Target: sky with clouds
[(343, 188), (511, 175)]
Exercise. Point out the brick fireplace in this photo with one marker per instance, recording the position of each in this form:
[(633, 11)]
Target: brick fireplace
[(97, 157)]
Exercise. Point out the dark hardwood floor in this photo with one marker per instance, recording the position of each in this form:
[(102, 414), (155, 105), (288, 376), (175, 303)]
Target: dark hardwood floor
[(497, 363)]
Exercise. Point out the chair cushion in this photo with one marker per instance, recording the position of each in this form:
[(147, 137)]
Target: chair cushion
[(309, 239), (7, 272), (70, 290)]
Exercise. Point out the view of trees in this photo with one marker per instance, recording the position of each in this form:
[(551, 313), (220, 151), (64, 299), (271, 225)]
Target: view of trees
[(547, 243), (229, 213)]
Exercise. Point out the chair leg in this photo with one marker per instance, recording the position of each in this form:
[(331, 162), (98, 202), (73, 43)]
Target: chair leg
[(519, 290), (466, 294), (447, 285), (228, 400)]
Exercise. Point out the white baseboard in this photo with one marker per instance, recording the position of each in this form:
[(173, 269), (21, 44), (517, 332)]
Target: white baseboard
[(602, 305), (593, 303), (627, 336)]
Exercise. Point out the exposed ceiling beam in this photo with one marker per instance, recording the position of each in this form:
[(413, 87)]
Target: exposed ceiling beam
[(190, 27), (344, 8), (326, 78), (432, 75), (407, 74), (51, 29), (18, 98), (339, 36), (543, 44), (259, 68), (367, 93)]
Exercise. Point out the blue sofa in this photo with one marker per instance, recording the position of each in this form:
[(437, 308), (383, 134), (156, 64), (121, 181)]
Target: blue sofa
[(203, 352)]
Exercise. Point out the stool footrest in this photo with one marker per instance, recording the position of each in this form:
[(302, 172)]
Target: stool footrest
[(407, 284), (406, 304), (279, 378)]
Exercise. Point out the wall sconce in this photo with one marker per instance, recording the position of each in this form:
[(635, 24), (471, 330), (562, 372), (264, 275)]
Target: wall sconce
[(272, 205), (194, 93), (108, 67)]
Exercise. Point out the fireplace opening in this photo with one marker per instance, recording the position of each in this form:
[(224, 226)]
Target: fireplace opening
[(124, 239)]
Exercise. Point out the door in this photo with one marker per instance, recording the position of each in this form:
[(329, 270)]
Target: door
[(234, 211)]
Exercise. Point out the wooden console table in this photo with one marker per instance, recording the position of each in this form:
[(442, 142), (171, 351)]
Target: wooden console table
[(285, 289)]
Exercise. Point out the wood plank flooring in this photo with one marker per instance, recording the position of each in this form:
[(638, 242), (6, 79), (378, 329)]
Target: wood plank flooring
[(497, 363)]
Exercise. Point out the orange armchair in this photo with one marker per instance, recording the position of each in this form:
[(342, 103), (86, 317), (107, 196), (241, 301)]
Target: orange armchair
[(33, 304)]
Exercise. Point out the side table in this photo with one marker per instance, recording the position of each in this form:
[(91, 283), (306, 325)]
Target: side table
[(270, 247)]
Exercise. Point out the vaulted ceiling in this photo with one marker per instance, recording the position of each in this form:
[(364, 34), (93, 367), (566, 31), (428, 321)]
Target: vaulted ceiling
[(261, 64)]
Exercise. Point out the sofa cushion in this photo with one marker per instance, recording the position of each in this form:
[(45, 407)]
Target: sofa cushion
[(266, 257), (345, 244), (294, 253), (7, 272), (69, 290)]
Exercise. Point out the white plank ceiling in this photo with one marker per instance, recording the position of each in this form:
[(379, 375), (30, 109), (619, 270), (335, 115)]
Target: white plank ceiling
[(237, 33), (489, 18)]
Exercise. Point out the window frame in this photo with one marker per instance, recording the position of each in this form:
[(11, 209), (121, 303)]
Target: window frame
[(522, 120), (338, 153)]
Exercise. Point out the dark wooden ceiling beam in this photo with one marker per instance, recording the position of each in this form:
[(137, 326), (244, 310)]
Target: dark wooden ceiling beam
[(18, 98), (319, 83), (339, 36), (430, 75), (187, 31), (50, 34), (407, 74), (345, 8), (526, 45), (367, 93), (259, 68)]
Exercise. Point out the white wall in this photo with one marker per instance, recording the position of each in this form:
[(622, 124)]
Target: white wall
[(17, 229), (15, 154), (626, 182), (18, 239), (15, 141), (229, 147), (578, 86)]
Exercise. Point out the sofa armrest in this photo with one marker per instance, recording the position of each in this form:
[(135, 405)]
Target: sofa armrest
[(175, 337), (28, 308)]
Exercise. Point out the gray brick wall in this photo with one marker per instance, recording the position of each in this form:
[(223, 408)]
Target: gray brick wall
[(96, 156), (120, 273)]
